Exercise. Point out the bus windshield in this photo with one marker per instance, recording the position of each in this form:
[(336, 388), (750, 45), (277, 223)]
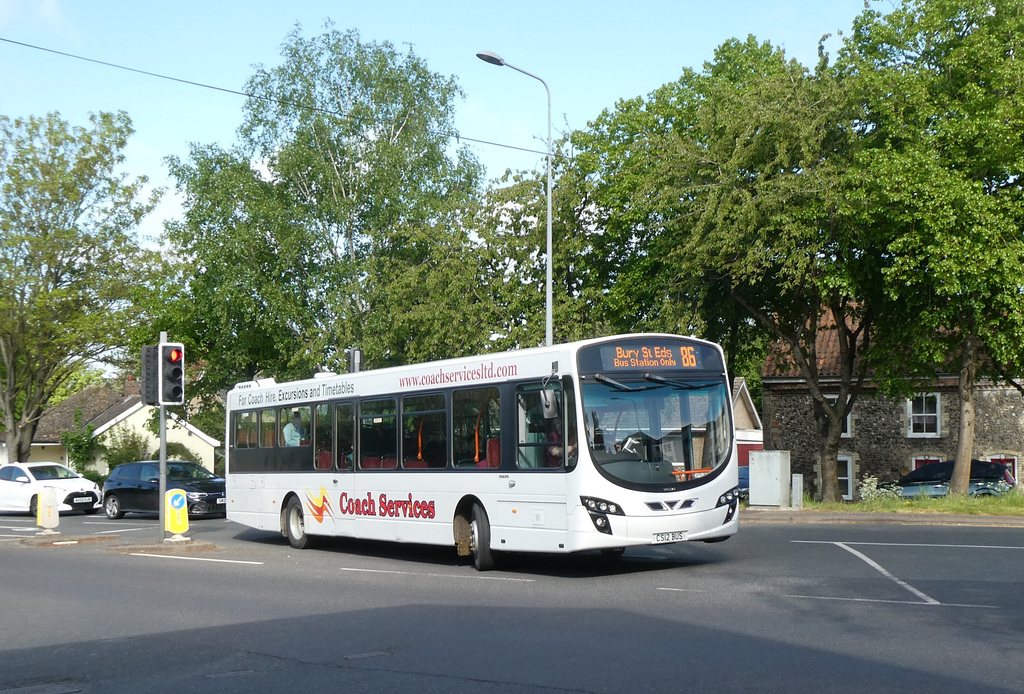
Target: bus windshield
[(656, 432)]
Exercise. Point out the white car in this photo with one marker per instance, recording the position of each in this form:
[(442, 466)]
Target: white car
[(21, 483)]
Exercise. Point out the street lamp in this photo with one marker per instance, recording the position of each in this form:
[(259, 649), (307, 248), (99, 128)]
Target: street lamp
[(495, 59)]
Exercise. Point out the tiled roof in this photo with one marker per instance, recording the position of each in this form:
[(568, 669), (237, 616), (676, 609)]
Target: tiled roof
[(780, 363), (99, 404)]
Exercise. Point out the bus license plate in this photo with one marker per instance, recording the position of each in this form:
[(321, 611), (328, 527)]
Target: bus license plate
[(660, 538)]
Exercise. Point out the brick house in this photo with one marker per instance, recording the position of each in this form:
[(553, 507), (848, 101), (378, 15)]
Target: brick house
[(886, 437)]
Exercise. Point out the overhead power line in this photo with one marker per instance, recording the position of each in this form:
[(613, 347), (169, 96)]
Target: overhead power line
[(201, 85)]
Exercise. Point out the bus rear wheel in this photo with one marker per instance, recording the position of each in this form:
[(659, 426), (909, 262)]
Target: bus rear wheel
[(295, 525), (480, 540)]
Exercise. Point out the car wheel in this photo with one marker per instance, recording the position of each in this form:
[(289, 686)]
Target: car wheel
[(295, 525), (33, 506), (112, 506), (480, 540)]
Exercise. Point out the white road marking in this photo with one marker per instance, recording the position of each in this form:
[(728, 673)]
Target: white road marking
[(174, 556), (417, 573), (907, 544), (891, 602), (924, 598), (880, 569)]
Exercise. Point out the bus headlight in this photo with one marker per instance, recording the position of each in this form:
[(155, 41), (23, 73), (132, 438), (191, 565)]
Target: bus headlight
[(599, 510), (731, 499)]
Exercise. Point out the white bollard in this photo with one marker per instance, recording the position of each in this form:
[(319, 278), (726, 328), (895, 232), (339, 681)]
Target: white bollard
[(797, 495), (47, 515)]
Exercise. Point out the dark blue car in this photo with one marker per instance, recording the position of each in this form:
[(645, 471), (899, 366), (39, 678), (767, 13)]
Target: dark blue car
[(931, 480)]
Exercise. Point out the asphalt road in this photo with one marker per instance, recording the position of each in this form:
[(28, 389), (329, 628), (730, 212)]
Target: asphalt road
[(782, 607)]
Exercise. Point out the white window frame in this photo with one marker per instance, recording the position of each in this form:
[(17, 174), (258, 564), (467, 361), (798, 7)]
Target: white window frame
[(911, 434), (845, 462), (848, 422), (1009, 460)]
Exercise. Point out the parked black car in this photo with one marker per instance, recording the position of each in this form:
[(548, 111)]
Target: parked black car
[(136, 487), (987, 478)]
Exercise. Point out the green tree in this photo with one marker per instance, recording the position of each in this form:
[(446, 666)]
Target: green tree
[(340, 219), (723, 202), (359, 135), (70, 267), (940, 89)]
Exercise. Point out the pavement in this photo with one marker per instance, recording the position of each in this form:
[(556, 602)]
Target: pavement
[(785, 515)]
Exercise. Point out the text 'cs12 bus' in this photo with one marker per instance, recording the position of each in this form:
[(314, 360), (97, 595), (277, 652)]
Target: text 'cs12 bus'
[(595, 445)]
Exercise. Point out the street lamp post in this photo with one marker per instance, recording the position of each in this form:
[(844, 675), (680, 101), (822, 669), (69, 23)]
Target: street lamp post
[(495, 59)]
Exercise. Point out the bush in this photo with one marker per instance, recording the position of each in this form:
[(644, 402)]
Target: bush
[(871, 490), (179, 451), (124, 446)]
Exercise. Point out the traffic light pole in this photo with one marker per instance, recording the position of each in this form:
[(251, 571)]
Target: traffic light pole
[(163, 474), (163, 464)]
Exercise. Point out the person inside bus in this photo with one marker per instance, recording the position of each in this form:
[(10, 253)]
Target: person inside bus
[(556, 451), (293, 431)]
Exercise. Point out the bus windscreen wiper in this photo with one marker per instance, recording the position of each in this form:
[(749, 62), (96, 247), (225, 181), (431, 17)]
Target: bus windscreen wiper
[(615, 384), (654, 378)]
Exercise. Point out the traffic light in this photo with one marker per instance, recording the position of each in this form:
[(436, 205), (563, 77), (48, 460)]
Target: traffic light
[(172, 373), (150, 375)]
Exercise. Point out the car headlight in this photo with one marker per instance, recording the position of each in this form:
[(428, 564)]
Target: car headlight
[(196, 496)]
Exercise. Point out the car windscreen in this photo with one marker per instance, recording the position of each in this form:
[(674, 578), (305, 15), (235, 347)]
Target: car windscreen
[(187, 471), (52, 472)]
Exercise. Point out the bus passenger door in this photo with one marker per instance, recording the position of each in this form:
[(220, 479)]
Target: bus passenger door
[(533, 506)]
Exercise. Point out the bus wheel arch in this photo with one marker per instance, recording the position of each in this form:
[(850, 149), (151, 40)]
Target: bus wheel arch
[(472, 531), (293, 522)]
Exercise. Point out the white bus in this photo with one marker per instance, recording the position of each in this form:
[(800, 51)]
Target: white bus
[(594, 445)]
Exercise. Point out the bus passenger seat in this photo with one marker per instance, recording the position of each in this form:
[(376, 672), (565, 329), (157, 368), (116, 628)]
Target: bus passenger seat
[(494, 452), (493, 458), (369, 463), (389, 463)]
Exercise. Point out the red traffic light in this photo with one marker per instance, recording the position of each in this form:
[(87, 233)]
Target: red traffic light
[(174, 355)]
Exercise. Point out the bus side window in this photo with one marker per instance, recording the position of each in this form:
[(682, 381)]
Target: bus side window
[(323, 437), (424, 431), (477, 428), (295, 426), (268, 427), (541, 438), (245, 429), (345, 436), (378, 434)]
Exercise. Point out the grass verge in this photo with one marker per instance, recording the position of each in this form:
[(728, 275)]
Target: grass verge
[(1007, 505)]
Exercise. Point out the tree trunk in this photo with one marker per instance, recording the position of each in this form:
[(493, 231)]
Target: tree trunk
[(19, 442), (961, 481), (830, 418), (828, 459)]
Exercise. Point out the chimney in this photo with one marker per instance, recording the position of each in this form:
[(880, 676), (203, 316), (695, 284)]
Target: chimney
[(131, 386)]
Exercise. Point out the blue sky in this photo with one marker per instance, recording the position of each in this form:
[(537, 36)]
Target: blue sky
[(591, 54)]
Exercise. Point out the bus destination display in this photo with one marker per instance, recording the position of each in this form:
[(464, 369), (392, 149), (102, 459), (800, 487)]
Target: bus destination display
[(635, 356)]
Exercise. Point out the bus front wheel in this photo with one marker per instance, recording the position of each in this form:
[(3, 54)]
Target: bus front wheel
[(480, 540), (295, 525)]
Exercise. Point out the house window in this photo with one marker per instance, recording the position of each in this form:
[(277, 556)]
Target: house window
[(844, 472), (923, 413), (919, 460), (847, 421), (1010, 461)]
